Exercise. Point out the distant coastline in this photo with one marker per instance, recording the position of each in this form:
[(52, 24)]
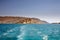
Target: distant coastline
[(20, 20)]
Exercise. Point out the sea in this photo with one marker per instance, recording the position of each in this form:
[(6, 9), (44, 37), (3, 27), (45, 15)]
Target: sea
[(29, 31)]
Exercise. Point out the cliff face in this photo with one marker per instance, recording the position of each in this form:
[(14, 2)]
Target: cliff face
[(20, 20)]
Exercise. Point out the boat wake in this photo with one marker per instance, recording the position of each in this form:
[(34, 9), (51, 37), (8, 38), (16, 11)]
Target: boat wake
[(30, 32)]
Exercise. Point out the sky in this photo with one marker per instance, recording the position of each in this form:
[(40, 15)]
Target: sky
[(48, 10)]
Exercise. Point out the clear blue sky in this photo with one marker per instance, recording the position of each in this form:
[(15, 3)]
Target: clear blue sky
[(48, 10)]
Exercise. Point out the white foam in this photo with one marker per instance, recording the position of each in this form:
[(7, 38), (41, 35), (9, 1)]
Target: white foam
[(45, 37), (5, 33), (20, 37)]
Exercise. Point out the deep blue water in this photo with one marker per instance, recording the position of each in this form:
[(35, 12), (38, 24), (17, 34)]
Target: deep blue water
[(29, 31)]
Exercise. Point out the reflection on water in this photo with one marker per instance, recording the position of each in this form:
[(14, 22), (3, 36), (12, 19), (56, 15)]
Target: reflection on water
[(29, 31)]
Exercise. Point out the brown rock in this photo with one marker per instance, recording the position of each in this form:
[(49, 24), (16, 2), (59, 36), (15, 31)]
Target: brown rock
[(20, 20)]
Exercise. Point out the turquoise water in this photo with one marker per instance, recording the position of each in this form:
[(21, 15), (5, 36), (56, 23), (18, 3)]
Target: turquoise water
[(29, 31)]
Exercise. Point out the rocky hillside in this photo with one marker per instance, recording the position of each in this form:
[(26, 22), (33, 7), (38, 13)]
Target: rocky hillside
[(20, 20)]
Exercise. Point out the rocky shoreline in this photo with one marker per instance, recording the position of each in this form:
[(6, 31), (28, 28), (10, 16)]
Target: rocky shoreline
[(20, 20)]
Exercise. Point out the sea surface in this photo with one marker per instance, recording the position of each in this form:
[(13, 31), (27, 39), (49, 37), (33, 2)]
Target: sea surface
[(29, 31)]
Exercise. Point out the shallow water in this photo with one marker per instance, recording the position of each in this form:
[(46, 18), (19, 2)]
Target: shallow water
[(29, 31)]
